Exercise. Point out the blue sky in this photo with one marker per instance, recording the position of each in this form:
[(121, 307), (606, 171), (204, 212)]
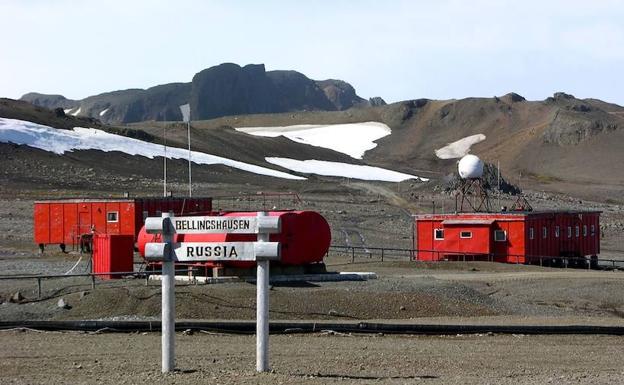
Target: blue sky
[(394, 49)]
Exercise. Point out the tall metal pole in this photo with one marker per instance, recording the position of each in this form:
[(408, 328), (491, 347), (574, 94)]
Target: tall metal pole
[(165, 163), (168, 307), (498, 182), (262, 309), (188, 129)]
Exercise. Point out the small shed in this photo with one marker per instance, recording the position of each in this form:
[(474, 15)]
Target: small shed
[(513, 237), (112, 254)]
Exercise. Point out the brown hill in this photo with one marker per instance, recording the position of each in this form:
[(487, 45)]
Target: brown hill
[(559, 144)]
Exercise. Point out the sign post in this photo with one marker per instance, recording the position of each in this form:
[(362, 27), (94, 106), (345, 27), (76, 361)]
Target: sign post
[(167, 319), (169, 252), (168, 303), (262, 308)]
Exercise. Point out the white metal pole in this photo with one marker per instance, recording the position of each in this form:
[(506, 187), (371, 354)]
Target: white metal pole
[(165, 163), (498, 183), (262, 309), (188, 129), (168, 307)]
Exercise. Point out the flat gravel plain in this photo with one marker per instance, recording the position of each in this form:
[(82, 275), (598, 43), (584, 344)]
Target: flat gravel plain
[(324, 358)]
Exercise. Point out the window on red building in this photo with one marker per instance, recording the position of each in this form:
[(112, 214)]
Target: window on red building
[(500, 235), (531, 235), (556, 231), (544, 232), (112, 216), (438, 234), (465, 234)]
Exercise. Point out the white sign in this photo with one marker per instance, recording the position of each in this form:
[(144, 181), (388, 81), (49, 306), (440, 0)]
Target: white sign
[(222, 224), (185, 109), (214, 251)]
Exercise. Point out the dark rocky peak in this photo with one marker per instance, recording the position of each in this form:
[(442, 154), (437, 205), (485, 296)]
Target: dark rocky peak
[(49, 101), (512, 97), (340, 93), (295, 91), (562, 96), (569, 102), (377, 101), (229, 89), (222, 90)]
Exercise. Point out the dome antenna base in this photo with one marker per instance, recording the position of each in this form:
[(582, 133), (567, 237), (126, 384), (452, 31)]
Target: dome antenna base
[(472, 196)]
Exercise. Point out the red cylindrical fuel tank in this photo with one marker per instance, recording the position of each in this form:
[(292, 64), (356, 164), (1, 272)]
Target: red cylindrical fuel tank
[(304, 239)]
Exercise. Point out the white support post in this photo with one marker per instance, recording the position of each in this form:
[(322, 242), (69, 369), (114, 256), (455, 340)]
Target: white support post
[(262, 308), (168, 306), (188, 127)]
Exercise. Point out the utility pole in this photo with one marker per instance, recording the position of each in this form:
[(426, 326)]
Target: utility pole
[(165, 163)]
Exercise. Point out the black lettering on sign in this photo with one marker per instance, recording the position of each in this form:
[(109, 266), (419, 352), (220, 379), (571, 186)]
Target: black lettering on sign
[(211, 251), (213, 224)]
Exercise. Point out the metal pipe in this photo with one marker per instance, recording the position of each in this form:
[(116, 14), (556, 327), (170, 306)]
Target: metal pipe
[(247, 327)]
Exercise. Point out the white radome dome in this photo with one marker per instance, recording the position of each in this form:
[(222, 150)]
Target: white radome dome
[(470, 167)]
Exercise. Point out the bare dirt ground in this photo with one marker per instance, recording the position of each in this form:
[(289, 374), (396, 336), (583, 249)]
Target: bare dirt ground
[(323, 358), (360, 214)]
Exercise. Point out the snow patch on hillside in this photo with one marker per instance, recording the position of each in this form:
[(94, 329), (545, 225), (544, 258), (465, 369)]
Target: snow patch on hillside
[(459, 148), (75, 113), (325, 168), (353, 139), (61, 141), (103, 112)]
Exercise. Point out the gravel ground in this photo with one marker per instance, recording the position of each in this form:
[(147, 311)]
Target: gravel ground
[(360, 214), (325, 358)]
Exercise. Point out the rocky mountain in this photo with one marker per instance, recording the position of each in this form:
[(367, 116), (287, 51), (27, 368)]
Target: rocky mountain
[(560, 144), (223, 90), (50, 101)]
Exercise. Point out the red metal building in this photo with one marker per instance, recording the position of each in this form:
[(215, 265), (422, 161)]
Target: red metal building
[(513, 237), (68, 221)]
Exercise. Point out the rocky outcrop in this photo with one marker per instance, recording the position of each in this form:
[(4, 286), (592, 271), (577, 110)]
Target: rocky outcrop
[(376, 101), (226, 89), (341, 94), (574, 120), (49, 101), (229, 89)]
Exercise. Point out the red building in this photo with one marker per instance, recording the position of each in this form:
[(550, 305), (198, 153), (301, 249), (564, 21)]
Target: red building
[(513, 237), (68, 221)]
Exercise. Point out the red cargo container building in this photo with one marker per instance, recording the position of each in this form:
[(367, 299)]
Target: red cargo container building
[(68, 221), (512, 237)]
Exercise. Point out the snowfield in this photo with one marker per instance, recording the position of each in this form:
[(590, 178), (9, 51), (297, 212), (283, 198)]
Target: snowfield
[(356, 171), (459, 148), (103, 112), (61, 141), (353, 139)]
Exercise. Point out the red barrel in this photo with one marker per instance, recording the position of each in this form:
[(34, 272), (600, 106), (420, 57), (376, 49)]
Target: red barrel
[(304, 239)]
